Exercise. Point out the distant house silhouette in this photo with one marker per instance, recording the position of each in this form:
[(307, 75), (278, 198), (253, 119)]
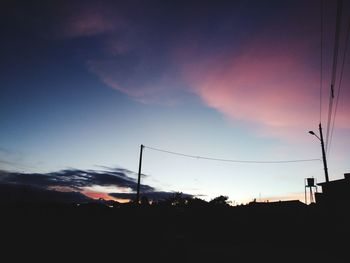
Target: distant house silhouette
[(335, 193), (278, 204)]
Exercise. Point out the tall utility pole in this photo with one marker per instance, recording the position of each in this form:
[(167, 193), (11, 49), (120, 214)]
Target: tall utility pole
[(323, 154), (139, 176), (323, 151)]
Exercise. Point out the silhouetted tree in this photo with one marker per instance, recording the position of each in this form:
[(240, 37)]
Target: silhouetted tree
[(196, 202), (220, 201), (178, 200), (144, 201)]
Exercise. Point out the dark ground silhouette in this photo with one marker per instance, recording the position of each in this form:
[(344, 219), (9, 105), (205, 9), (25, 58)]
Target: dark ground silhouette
[(175, 230)]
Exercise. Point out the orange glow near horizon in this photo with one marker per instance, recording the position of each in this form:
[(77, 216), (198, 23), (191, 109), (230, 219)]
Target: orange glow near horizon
[(97, 195)]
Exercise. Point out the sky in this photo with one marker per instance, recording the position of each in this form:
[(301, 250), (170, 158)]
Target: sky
[(85, 83)]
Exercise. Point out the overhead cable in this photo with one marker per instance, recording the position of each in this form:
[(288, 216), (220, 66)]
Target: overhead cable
[(231, 160), (334, 68), (339, 85)]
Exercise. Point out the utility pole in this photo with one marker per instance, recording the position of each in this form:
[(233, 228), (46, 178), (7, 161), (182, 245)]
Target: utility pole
[(323, 154), (323, 151), (139, 176)]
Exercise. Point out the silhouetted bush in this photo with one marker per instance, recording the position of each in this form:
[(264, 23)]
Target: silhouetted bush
[(220, 201)]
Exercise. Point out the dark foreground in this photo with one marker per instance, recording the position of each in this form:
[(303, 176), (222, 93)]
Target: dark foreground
[(171, 234)]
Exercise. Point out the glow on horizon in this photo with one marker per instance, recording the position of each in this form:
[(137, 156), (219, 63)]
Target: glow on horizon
[(105, 196)]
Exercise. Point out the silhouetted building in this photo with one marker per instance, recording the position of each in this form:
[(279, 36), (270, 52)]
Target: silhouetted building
[(336, 192), (278, 204)]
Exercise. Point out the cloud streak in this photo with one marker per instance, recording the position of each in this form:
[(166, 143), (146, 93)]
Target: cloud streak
[(74, 178), (93, 183), (88, 20)]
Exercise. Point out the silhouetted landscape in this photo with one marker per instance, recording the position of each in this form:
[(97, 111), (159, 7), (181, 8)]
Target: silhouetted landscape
[(187, 229), (175, 131)]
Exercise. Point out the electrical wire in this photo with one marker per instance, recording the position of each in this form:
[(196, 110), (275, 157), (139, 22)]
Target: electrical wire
[(321, 59), (339, 85), (229, 160), (334, 69)]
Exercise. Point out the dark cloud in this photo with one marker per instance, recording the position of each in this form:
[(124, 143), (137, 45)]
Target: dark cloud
[(76, 180), (122, 170)]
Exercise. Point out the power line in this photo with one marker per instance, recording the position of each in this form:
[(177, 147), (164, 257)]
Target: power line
[(339, 85), (230, 160), (334, 68), (321, 60)]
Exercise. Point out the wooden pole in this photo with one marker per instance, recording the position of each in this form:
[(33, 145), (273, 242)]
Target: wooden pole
[(323, 155), (139, 176)]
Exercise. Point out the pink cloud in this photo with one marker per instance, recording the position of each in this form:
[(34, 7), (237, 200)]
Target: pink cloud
[(89, 20), (98, 195), (270, 82), (87, 26), (117, 46)]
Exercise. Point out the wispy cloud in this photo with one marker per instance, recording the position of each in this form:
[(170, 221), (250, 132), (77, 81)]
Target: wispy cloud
[(142, 79), (11, 159), (90, 19), (87, 26), (271, 81), (259, 86)]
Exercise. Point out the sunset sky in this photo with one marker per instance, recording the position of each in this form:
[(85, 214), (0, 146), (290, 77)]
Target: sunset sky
[(85, 83)]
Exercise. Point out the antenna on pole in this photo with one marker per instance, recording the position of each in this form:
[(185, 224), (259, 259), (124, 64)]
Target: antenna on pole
[(139, 176)]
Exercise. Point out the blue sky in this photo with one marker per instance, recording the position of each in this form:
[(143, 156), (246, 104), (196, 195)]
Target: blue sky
[(83, 84)]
